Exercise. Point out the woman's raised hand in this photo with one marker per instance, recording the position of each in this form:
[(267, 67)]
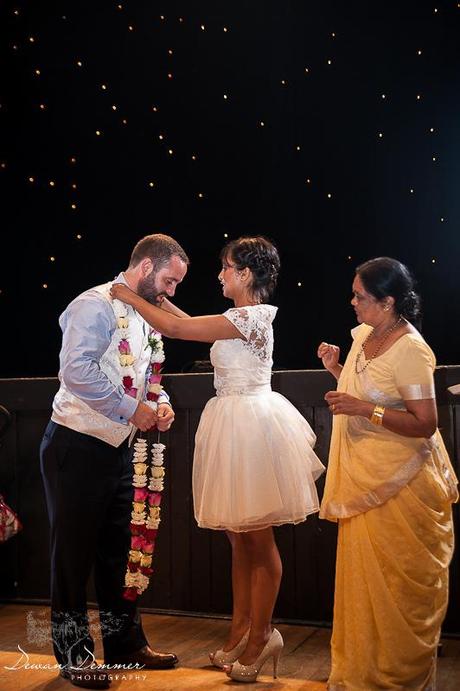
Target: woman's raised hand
[(120, 291), (329, 354)]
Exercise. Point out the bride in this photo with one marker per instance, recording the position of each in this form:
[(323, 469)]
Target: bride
[(254, 467)]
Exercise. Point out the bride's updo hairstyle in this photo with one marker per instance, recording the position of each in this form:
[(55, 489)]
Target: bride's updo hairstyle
[(260, 256), (384, 277)]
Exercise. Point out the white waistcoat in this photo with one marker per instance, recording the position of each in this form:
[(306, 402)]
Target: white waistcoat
[(70, 411)]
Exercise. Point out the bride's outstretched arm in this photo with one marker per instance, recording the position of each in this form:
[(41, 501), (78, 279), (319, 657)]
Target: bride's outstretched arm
[(205, 329), (168, 306)]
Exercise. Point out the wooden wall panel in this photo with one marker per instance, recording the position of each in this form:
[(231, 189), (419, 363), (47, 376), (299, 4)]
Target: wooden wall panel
[(192, 566)]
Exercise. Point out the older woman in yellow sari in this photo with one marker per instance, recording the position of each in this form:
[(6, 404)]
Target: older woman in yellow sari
[(390, 485)]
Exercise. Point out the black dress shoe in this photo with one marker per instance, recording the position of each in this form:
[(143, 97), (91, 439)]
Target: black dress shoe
[(145, 658), (86, 677)]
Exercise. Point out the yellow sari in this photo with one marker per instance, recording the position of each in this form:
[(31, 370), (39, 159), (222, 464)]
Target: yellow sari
[(392, 496)]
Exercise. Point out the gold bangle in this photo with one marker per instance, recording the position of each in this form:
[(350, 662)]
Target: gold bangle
[(377, 415)]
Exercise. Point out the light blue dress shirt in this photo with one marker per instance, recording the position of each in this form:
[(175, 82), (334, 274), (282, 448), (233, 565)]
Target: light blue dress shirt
[(88, 325)]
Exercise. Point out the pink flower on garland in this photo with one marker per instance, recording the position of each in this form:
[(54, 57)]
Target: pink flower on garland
[(137, 542), (155, 499), (123, 347), (140, 494)]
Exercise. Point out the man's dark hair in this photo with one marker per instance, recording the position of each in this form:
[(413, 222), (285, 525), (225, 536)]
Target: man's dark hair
[(159, 249)]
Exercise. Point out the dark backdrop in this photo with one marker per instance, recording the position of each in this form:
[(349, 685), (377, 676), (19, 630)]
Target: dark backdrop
[(358, 100)]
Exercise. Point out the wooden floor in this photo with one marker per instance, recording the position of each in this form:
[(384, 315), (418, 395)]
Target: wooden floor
[(304, 664)]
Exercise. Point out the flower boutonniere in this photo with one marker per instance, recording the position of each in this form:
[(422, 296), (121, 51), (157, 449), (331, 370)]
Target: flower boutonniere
[(155, 343)]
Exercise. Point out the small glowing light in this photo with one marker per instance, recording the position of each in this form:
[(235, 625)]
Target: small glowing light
[(151, 184), (120, 7), (435, 10), (193, 157), (200, 194), (384, 96), (329, 62), (433, 261), (181, 19), (283, 82), (170, 152), (162, 17), (79, 63), (419, 52), (307, 70), (411, 190), (52, 259), (299, 284), (124, 121), (160, 136), (308, 181), (380, 135), (79, 237), (31, 39), (442, 220), (170, 75), (298, 148), (203, 27), (104, 87), (74, 186), (73, 159), (170, 52), (262, 124), (131, 28), (98, 132), (37, 72), (15, 47), (44, 285), (52, 183), (16, 12), (431, 129), (225, 97), (333, 35), (42, 106), (349, 257), (418, 97), (225, 235), (73, 206), (31, 179), (225, 29), (3, 165), (433, 158), (114, 107), (329, 195), (155, 109)]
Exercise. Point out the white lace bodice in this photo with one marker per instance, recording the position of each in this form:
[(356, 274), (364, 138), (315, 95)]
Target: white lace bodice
[(244, 366)]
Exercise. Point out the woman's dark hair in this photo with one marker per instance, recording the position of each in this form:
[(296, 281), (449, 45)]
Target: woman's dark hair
[(260, 256), (384, 277)]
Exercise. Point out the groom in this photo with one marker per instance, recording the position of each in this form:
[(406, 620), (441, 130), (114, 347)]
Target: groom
[(87, 470)]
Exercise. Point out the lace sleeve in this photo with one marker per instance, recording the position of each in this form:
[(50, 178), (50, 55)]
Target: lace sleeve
[(256, 331)]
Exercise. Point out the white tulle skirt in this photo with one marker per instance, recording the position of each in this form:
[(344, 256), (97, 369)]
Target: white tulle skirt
[(254, 465)]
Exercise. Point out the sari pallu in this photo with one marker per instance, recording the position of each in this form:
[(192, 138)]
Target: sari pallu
[(392, 497)]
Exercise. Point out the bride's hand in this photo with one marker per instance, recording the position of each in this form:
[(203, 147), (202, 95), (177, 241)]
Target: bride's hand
[(329, 354), (120, 291)]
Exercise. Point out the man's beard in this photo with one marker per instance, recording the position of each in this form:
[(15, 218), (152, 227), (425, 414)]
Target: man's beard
[(147, 289)]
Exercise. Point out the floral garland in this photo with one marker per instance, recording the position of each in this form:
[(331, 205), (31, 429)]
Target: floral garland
[(147, 480)]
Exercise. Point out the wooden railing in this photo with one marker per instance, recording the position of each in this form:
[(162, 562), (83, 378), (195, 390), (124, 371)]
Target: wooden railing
[(192, 566)]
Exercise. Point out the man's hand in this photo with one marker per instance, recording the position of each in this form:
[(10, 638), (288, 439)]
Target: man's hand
[(144, 417), (165, 417)]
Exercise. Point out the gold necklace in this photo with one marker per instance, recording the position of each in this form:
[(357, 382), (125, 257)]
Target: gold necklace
[(377, 350)]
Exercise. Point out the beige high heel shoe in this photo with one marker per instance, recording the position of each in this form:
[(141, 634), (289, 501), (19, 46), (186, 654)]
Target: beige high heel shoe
[(227, 657), (249, 673)]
